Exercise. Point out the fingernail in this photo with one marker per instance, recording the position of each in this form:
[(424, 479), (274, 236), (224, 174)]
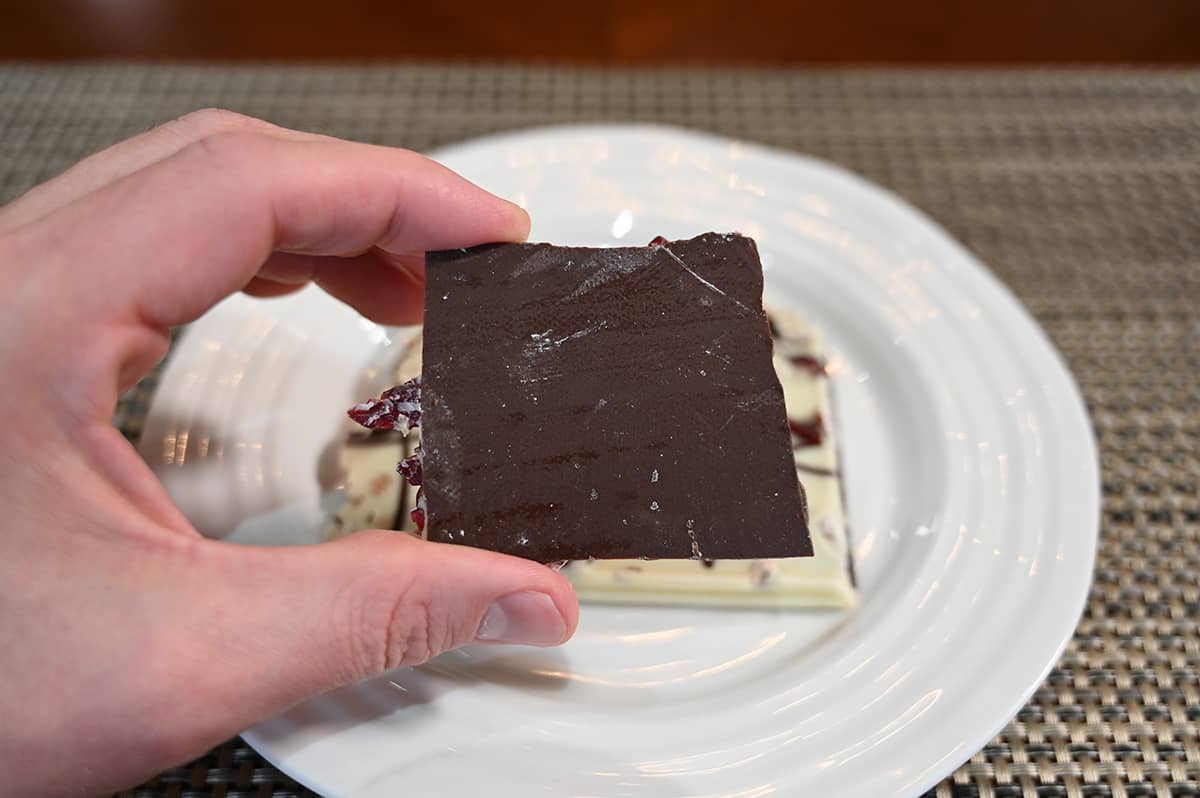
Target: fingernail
[(523, 215), (528, 618)]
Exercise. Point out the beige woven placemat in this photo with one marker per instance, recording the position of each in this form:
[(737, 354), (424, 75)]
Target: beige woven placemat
[(1080, 189)]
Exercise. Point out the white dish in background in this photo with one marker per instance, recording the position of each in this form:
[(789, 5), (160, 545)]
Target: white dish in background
[(972, 487)]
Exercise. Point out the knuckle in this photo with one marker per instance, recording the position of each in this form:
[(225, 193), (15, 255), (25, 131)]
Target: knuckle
[(420, 628), (210, 121), (392, 617), (384, 625), (409, 638), (223, 150)]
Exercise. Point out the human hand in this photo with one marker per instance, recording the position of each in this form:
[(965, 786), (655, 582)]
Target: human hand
[(128, 642)]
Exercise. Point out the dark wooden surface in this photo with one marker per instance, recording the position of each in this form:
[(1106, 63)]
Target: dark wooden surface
[(609, 31)]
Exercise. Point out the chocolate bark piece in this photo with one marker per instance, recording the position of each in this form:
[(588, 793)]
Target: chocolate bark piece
[(606, 403)]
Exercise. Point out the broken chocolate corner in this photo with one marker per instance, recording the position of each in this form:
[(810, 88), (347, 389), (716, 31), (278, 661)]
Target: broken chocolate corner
[(606, 403)]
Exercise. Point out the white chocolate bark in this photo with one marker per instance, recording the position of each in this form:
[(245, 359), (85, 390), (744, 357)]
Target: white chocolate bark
[(371, 484), (376, 497), (823, 580)]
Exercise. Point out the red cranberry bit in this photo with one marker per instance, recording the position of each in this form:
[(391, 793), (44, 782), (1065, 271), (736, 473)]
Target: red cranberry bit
[(409, 392), (373, 414), (411, 467), (398, 407), (813, 365), (658, 241), (418, 512), (810, 431)]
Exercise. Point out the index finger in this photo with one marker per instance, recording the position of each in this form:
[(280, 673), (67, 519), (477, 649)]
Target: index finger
[(169, 241)]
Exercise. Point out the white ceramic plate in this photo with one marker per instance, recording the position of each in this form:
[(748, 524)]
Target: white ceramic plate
[(972, 492)]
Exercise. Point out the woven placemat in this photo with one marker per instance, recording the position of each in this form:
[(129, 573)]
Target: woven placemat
[(1080, 189)]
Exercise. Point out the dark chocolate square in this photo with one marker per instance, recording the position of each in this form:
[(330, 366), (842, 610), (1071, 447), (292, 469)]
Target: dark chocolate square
[(606, 403)]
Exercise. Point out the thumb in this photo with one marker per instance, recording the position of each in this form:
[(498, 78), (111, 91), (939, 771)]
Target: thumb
[(299, 621)]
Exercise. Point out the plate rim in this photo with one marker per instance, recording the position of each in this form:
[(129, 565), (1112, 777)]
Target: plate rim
[(1087, 479)]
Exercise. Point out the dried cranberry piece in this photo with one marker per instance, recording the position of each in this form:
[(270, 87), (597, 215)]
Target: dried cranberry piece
[(409, 391), (810, 431), (813, 365), (412, 467), (659, 241), (398, 407), (373, 414), (418, 512)]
